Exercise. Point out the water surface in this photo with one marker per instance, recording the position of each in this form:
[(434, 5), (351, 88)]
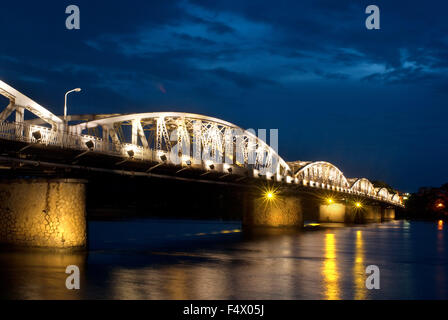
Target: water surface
[(182, 259)]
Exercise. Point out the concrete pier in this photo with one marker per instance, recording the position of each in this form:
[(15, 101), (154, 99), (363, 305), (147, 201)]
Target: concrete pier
[(341, 212), (281, 211), (388, 214), (334, 212), (370, 214), (43, 213)]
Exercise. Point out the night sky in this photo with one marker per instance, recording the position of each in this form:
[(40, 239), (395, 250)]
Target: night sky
[(372, 102)]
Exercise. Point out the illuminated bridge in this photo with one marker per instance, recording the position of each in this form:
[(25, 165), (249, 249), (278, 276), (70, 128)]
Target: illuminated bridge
[(176, 146)]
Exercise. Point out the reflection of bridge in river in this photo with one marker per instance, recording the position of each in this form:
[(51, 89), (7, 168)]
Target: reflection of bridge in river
[(177, 146)]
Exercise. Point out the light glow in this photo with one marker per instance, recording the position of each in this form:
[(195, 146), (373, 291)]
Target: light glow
[(312, 225), (329, 269), (269, 194)]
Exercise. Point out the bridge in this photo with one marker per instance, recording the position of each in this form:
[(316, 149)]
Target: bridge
[(34, 142)]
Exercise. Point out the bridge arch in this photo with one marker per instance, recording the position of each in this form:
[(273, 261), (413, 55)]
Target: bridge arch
[(395, 198), (382, 193), (18, 103), (168, 132), (363, 186), (322, 174)]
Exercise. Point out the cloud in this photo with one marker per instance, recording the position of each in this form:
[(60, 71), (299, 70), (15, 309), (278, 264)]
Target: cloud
[(241, 80), (161, 88), (214, 26)]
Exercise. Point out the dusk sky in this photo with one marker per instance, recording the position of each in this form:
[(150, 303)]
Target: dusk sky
[(372, 102)]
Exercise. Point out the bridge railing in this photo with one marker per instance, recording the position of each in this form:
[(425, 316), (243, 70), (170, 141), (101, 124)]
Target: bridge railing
[(27, 133)]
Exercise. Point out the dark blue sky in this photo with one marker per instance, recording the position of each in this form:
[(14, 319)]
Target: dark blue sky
[(374, 103)]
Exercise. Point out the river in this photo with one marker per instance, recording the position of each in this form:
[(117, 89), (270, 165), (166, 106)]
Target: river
[(185, 259)]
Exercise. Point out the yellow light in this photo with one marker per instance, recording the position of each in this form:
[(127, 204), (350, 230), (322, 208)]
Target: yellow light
[(312, 225), (330, 269), (330, 200), (440, 225), (358, 205), (440, 205), (269, 194)]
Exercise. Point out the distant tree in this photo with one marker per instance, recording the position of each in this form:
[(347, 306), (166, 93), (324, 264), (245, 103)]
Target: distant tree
[(428, 203)]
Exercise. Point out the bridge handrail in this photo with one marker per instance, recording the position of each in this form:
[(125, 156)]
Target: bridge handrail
[(23, 132)]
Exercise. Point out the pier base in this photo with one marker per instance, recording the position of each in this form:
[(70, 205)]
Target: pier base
[(388, 214), (339, 212), (282, 211), (43, 213), (334, 212), (365, 214)]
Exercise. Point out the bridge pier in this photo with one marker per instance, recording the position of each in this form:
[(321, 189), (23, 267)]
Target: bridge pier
[(364, 214), (335, 212), (387, 214), (43, 213), (281, 211), (340, 212)]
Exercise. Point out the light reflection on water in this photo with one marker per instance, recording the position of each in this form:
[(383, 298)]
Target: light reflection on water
[(157, 259), (359, 274), (330, 270)]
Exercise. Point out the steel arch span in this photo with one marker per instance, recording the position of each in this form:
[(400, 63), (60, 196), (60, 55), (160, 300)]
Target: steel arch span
[(183, 139), (395, 198), (321, 174), (383, 193), (363, 186), (190, 138)]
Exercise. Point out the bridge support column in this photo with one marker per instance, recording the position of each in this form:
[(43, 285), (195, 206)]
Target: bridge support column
[(334, 212), (43, 213), (387, 214), (281, 211), (364, 214)]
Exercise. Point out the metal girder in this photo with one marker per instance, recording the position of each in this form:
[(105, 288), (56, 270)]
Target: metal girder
[(212, 135), (323, 173), (364, 186), (213, 141), (19, 100)]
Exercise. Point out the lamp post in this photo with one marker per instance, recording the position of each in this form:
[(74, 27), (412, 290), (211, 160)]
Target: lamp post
[(65, 104)]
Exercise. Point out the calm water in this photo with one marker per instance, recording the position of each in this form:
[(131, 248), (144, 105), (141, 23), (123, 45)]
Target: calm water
[(158, 259)]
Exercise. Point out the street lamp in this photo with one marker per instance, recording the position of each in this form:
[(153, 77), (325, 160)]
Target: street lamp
[(65, 104)]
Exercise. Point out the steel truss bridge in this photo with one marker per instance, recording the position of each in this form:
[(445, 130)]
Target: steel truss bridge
[(154, 143)]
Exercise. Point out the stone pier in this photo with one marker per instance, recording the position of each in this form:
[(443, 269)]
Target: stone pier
[(368, 213), (388, 214), (43, 213), (340, 212), (281, 211), (334, 212)]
